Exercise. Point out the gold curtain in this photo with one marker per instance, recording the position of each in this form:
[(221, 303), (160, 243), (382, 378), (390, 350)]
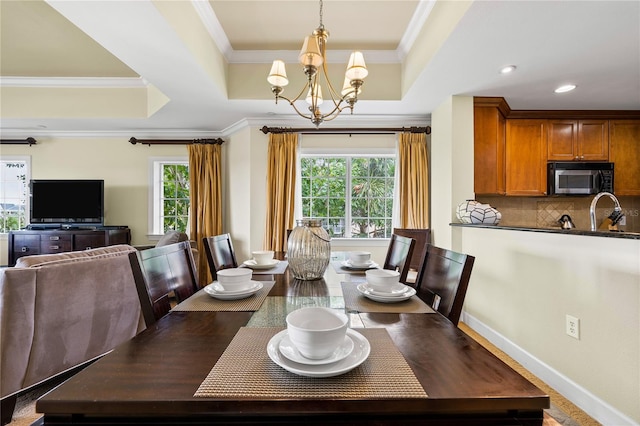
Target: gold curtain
[(205, 200), (414, 180), (281, 180)]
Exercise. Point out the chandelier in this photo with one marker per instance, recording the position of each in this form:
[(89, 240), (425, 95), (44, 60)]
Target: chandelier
[(314, 62)]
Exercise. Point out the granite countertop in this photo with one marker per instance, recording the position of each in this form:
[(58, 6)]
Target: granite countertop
[(607, 234)]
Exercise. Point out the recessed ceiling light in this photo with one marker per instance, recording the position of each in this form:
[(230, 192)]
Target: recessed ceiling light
[(565, 88), (508, 69)]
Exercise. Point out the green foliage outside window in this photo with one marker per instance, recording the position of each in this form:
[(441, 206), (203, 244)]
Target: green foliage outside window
[(13, 214), (367, 205), (175, 197)]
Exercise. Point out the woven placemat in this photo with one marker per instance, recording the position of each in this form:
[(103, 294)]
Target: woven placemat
[(280, 268), (201, 301), (356, 302), (245, 371)]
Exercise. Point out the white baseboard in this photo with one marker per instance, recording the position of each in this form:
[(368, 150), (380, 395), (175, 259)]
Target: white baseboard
[(595, 407)]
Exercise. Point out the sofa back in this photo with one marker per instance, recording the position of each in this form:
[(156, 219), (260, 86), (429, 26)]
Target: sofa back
[(59, 311)]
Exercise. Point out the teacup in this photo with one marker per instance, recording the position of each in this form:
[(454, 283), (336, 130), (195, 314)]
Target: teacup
[(360, 258), (316, 331), (383, 280), (262, 257), (235, 279)]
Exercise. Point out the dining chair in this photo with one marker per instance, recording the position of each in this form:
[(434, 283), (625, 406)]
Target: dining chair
[(163, 275), (220, 253), (443, 279), (422, 237), (399, 255)]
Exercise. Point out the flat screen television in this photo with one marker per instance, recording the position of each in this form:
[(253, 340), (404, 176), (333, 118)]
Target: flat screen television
[(66, 202)]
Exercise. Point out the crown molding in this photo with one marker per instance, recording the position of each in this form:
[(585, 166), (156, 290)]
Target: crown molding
[(367, 121), (75, 82), (213, 26), (415, 26)]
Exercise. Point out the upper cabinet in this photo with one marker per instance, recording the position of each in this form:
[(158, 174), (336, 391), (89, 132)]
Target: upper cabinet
[(624, 150), (489, 143), (512, 148), (578, 140), (526, 157)]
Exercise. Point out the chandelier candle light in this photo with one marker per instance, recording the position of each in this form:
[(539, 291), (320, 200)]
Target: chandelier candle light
[(313, 59)]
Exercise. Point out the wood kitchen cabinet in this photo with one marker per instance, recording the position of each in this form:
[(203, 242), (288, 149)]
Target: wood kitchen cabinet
[(578, 140), (624, 152), (489, 146), (526, 157)]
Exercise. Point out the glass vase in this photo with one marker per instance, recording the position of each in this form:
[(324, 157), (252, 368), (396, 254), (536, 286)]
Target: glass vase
[(308, 250)]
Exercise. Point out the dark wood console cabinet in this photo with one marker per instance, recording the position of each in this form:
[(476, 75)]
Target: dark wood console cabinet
[(31, 242)]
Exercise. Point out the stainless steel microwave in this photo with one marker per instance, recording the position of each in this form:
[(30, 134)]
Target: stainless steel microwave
[(579, 178)]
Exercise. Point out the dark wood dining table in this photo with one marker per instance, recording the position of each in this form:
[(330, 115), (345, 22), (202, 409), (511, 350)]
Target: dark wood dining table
[(152, 378)]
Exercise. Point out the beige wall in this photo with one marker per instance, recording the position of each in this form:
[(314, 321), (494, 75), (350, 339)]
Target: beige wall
[(525, 283), (123, 166)]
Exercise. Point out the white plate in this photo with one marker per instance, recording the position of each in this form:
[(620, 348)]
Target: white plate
[(398, 290), (347, 264), (253, 265), (358, 355), (219, 289), (385, 299), (222, 295), (289, 350)]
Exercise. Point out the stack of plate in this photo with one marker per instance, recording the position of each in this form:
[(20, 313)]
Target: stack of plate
[(353, 351), (370, 264), (251, 263), (216, 290), (398, 293)]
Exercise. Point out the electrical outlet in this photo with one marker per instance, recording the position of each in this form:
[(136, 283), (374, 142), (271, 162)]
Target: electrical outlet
[(573, 327)]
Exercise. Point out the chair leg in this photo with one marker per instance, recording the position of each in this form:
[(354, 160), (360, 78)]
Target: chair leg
[(7, 405)]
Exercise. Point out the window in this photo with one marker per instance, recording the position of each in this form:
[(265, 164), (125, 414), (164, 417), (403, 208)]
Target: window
[(15, 173), (352, 194), (170, 196)]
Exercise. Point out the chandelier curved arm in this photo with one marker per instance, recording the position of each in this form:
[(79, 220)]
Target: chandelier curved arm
[(291, 102)]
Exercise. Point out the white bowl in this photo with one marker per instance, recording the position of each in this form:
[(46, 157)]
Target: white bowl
[(360, 258), (317, 332), (262, 257), (234, 279), (383, 280)]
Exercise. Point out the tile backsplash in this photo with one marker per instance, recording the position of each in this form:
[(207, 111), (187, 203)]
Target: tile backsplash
[(544, 212)]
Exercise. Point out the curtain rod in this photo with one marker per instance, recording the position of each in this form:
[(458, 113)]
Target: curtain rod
[(27, 141), (347, 130), (150, 142)]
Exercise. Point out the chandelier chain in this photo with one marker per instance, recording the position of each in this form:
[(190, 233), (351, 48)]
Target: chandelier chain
[(321, 14)]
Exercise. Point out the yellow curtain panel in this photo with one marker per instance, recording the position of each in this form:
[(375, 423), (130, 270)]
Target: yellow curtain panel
[(205, 200), (414, 180), (281, 179)]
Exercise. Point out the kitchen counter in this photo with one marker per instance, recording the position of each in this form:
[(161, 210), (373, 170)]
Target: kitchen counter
[(607, 234)]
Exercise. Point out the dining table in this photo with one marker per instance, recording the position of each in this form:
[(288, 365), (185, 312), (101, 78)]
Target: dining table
[(208, 362)]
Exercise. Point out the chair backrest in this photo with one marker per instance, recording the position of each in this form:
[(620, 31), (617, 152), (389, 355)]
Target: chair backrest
[(398, 254), (159, 274), (443, 279), (422, 237), (220, 253)]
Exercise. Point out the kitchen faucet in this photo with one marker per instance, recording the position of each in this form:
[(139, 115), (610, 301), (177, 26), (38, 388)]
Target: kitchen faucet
[(592, 209)]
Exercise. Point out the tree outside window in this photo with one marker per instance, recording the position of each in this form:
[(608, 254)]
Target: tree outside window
[(14, 194), (170, 196), (353, 190)]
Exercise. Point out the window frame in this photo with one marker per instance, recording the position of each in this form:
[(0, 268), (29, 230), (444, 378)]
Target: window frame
[(346, 152), (155, 210), (27, 204)]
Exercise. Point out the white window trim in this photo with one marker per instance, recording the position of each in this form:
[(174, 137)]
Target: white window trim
[(155, 163), (341, 152), (27, 205)]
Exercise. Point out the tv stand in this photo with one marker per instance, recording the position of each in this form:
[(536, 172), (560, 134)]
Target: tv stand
[(33, 241)]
